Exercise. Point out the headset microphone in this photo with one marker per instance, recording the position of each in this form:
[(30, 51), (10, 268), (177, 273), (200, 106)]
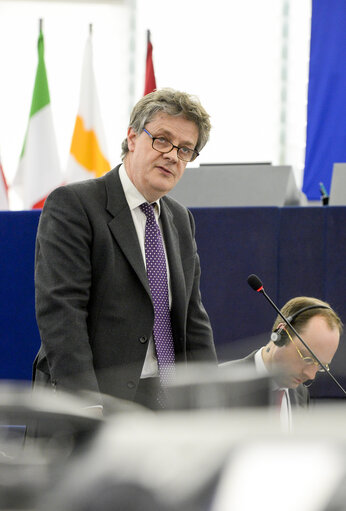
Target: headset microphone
[(256, 284), (276, 337)]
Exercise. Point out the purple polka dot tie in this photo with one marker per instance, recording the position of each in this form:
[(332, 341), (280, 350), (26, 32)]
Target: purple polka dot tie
[(157, 276)]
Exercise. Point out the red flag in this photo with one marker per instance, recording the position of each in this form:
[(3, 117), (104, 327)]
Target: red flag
[(150, 82)]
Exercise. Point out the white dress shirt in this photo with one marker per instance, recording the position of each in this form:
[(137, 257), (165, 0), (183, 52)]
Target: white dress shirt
[(286, 409), (135, 199)]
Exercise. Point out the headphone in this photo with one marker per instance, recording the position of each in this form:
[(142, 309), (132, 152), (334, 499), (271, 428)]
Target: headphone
[(280, 337)]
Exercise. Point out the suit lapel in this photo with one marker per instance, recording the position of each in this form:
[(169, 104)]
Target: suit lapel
[(122, 226), (173, 252), (123, 230), (176, 270)]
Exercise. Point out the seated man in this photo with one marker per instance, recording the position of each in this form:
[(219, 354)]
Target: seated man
[(288, 360)]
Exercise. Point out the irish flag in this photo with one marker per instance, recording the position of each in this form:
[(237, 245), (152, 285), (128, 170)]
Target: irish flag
[(39, 170), (3, 190), (87, 157)]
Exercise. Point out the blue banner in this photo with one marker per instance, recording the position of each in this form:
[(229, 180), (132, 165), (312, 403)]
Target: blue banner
[(326, 116)]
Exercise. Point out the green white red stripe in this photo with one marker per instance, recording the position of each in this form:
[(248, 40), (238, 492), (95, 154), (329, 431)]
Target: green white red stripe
[(4, 204), (39, 170)]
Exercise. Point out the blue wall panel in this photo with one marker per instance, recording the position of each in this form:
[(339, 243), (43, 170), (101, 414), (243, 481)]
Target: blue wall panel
[(19, 334), (301, 253), (233, 243)]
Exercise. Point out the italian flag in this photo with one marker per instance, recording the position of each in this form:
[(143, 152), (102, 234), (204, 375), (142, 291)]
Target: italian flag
[(39, 170), (87, 158), (3, 190)]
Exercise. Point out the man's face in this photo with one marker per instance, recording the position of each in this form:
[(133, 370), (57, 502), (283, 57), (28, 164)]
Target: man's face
[(322, 340), (155, 174)]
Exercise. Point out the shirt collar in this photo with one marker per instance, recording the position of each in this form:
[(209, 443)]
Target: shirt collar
[(260, 365), (133, 196), (262, 370)]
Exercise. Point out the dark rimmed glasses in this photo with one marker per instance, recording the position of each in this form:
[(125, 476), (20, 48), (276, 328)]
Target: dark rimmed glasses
[(308, 360), (162, 145)]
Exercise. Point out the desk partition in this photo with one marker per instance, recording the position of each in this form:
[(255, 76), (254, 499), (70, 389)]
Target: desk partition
[(224, 185), (338, 185)]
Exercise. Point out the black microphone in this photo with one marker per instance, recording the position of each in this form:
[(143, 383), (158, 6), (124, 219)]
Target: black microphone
[(257, 285)]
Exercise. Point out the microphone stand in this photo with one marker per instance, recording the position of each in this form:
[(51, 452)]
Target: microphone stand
[(261, 290)]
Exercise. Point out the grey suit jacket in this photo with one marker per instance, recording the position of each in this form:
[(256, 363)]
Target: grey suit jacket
[(298, 397), (93, 303)]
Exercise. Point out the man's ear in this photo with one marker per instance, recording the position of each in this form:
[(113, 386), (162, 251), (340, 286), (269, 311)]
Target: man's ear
[(131, 138)]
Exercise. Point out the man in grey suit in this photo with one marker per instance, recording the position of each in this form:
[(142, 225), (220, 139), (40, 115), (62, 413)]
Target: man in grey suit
[(285, 357), (94, 307)]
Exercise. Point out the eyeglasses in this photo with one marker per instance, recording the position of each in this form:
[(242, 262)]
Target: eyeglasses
[(307, 360), (162, 145)]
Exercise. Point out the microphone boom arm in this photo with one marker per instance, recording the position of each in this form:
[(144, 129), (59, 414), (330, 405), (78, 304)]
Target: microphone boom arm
[(254, 283)]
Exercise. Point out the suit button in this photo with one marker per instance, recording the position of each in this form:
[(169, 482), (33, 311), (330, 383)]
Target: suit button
[(143, 339), (130, 384)]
